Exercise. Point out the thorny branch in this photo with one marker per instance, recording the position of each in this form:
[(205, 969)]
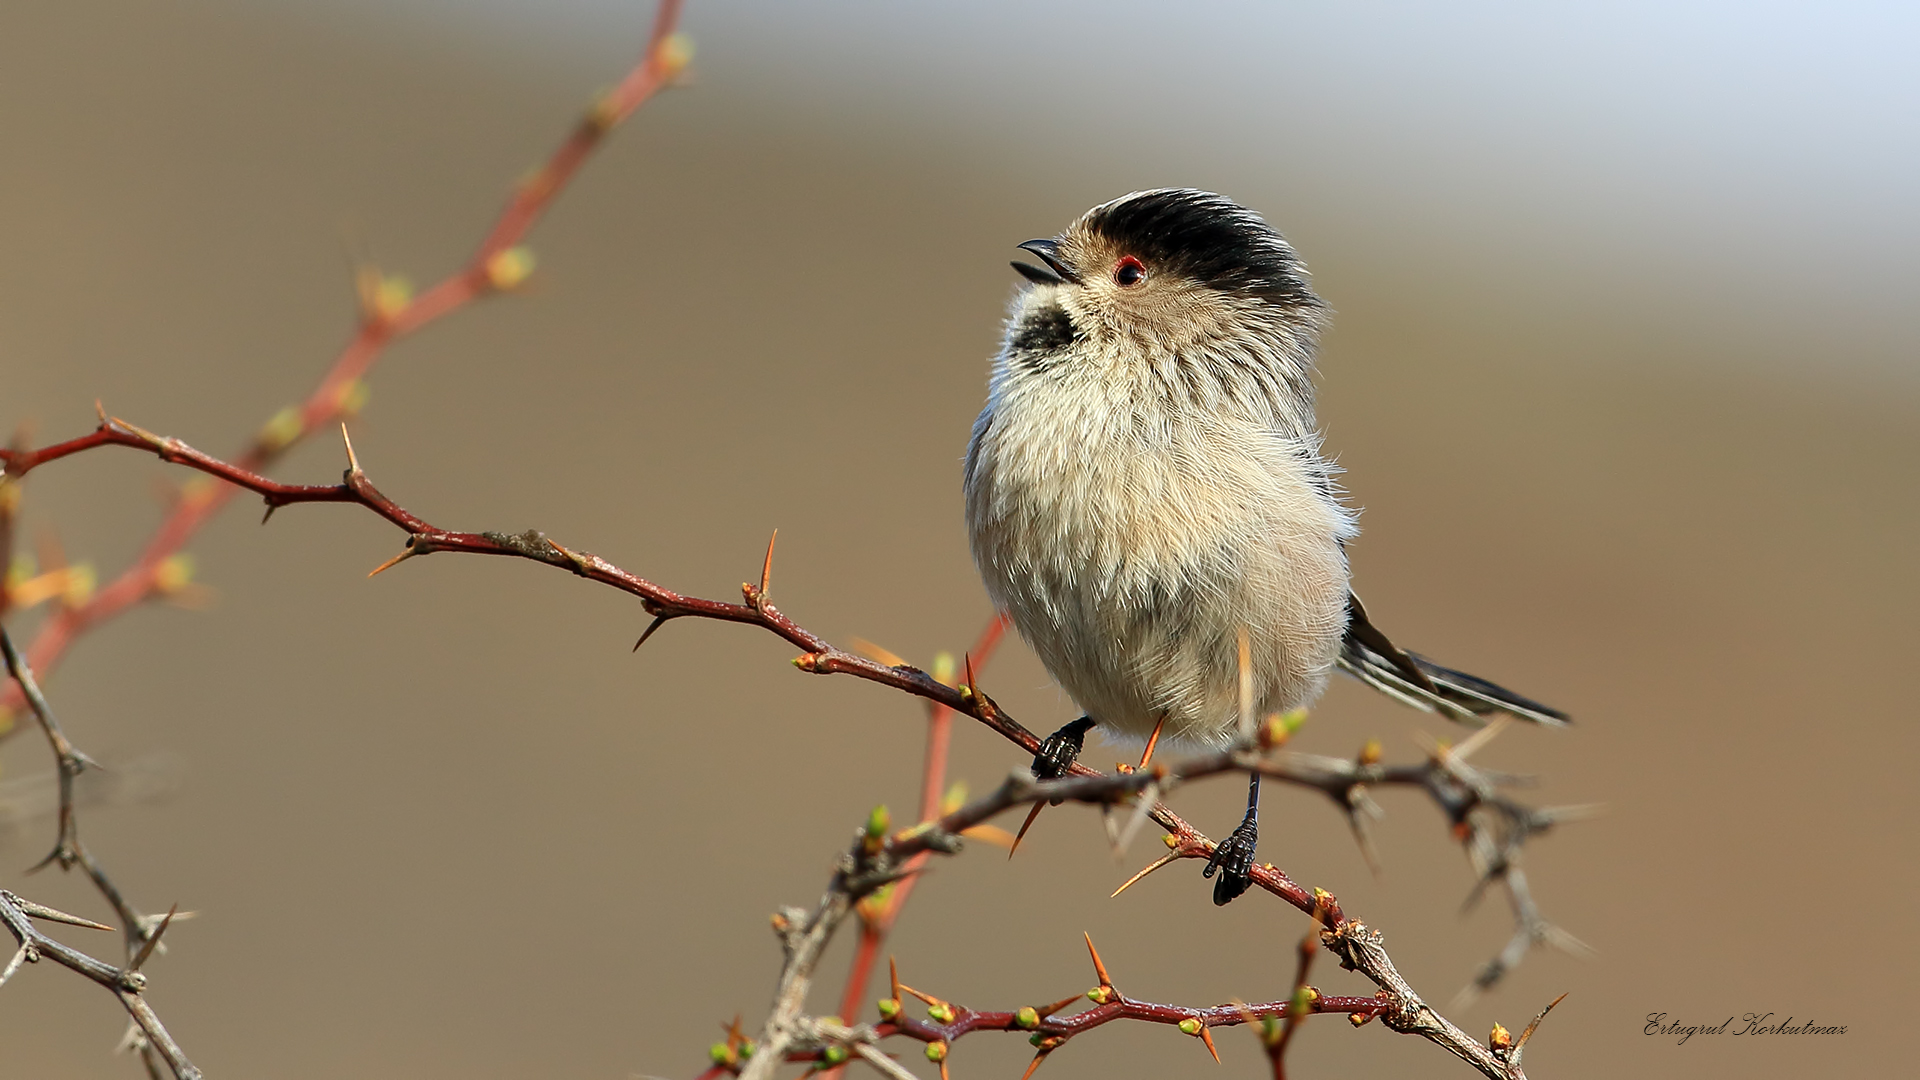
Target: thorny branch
[(1491, 826), (876, 859), (879, 911), (142, 932), (389, 312), (125, 982)]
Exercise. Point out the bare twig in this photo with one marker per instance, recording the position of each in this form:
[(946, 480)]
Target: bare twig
[(126, 983)]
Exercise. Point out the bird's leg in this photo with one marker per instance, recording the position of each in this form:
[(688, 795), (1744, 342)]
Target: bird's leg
[(1234, 855), (1057, 754), (1153, 740)]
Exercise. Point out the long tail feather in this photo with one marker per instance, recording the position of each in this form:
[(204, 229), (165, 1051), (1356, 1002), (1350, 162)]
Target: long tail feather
[(1369, 656)]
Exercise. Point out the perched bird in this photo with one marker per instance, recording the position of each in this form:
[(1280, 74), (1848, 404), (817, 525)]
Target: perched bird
[(1146, 485)]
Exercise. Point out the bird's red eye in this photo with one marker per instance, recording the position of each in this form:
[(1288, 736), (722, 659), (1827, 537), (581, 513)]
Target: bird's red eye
[(1129, 271)]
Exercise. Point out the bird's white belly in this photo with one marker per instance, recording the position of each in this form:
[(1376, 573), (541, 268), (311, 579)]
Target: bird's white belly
[(1130, 554)]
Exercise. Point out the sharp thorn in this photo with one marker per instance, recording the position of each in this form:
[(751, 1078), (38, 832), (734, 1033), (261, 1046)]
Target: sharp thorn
[(893, 976), (391, 563), (1479, 738), (1143, 805), (20, 957), (153, 940), (973, 685), (1528, 1034), (1034, 1065), (766, 568), (928, 998), (1058, 1005), (658, 622), (1567, 943), (1112, 831), (41, 911), (1206, 1036), (1099, 968), (878, 654), (1151, 867), (268, 516), (100, 411), (1024, 826), (353, 462)]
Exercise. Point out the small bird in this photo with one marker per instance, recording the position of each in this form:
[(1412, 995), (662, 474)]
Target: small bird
[(1145, 489)]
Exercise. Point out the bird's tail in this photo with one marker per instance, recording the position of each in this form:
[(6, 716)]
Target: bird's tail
[(1369, 656)]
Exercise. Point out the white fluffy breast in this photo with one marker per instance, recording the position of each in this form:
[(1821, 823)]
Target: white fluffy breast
[(1131, 537)]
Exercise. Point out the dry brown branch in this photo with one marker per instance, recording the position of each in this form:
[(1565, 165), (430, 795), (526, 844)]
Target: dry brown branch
[(127, 983)]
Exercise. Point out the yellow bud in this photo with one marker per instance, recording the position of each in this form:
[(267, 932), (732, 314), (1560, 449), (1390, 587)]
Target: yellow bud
[(173, 574), (281, 430), (936, 1051), (391, 296), (676, 52), (81, 581), (197, 490), (1371, 753), (353, 398), (955, 798), (508, 269), (1501, 1038)]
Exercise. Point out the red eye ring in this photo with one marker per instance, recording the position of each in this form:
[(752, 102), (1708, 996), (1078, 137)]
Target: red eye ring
[(1129, 272)]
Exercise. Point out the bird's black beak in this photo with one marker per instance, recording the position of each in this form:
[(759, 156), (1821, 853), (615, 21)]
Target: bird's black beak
[(1049, 252)]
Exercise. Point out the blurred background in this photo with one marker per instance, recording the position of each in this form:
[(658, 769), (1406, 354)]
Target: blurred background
[(1624, 374)]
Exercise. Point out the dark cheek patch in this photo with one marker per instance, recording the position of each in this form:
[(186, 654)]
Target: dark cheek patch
[(1041, 334)]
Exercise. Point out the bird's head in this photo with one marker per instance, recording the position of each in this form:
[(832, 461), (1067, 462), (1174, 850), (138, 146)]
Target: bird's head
[(1171, 269)]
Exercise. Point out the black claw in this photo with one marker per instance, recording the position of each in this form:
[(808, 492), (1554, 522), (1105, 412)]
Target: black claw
[(1061, 749), (1234, 858), (1234, 855)]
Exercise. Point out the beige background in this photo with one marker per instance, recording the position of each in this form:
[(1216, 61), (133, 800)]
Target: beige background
[(443, 824)]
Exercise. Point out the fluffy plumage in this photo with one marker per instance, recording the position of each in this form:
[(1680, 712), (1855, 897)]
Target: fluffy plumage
[(1146, 479)]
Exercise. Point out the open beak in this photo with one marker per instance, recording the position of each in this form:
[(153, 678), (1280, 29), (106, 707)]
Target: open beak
[(1049, 252)]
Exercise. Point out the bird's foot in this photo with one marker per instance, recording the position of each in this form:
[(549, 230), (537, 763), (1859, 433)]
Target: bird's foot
[(1058, 752), (1061, 749), (1233, 857)]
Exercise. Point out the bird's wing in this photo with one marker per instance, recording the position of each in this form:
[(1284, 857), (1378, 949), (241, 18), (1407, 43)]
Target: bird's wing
[(1369, 656)]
